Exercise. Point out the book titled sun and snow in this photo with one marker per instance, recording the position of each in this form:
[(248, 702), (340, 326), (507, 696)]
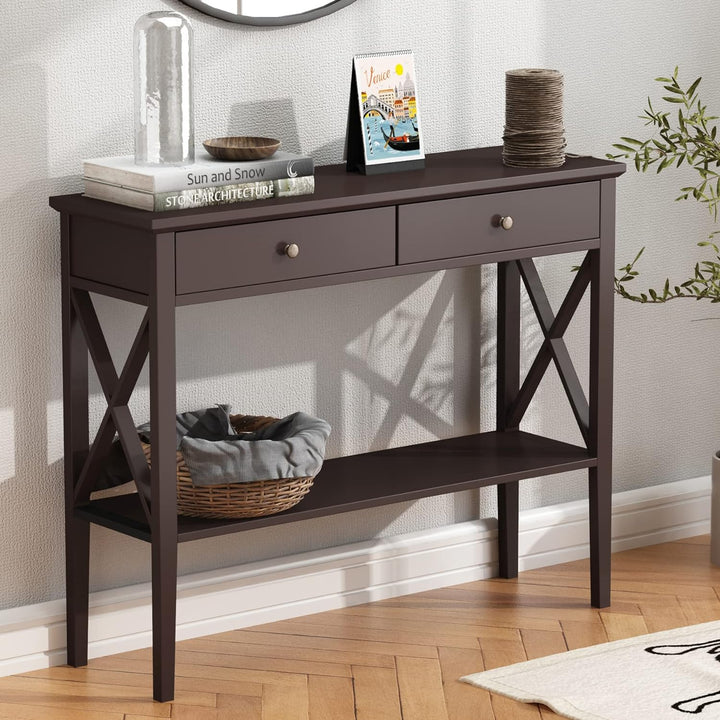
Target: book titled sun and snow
[(204, 183)]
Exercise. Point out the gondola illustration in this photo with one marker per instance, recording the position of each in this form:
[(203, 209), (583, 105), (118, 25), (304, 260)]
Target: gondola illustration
[(401, 142)]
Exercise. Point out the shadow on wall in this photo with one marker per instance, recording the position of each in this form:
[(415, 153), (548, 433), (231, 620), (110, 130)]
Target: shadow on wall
[(384, 333), (411, 336), (270, 118), (395, 343), (30, 487), (277, 118)]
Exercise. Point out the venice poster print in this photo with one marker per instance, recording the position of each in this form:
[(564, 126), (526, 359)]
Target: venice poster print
[(386, 97)]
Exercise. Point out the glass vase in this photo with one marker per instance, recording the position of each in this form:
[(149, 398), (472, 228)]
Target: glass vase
[(164, 133)]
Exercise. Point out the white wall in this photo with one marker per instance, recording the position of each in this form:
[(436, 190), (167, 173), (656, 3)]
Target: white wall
[(387, 362)]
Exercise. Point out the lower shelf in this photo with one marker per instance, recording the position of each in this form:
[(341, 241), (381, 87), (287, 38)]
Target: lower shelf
[(379, 478)]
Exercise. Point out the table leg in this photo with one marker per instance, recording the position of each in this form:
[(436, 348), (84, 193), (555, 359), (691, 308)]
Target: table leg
[(508, 385), (76, 443), (600, 487), (77, 544), (508, 512), (163, 470), (601, 386)]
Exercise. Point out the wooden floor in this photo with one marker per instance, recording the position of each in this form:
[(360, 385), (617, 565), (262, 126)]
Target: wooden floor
[(392, 660)]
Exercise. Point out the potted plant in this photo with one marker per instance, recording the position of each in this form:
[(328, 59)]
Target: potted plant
[(683, 133)]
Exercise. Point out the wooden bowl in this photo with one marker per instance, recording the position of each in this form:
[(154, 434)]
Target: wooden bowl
[(241, 147)]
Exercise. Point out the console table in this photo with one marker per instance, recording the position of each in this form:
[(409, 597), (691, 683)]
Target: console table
[(465, 208)]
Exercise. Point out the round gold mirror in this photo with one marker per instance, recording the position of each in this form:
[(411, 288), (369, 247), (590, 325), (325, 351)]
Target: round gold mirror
[(268, 12)]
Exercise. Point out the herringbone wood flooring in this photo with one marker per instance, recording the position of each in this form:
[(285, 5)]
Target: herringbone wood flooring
[(391, 660)]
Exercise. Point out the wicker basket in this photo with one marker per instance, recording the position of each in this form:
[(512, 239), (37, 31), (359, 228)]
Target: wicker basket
[(237, 500)]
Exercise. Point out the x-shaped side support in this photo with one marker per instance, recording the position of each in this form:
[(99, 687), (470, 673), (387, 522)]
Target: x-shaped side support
[(117, 390), (553, 348)]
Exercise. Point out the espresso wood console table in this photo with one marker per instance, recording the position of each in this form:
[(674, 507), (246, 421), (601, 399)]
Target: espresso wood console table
[(465, 208)]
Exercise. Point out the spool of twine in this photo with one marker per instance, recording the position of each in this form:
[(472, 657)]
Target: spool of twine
[(534, 134)]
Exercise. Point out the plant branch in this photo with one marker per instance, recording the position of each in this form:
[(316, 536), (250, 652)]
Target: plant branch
[(704, 285), (686, 136)]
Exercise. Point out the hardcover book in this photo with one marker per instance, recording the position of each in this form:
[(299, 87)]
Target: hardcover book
[(384, 129), (200, 196), (206, 171)]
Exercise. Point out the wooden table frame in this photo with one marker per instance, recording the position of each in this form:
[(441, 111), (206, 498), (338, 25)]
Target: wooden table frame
[(150, 259)]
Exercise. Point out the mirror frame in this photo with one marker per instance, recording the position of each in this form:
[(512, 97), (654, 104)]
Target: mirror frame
[(331, 7)]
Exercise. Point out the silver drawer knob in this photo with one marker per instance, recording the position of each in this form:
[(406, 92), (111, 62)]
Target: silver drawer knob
[(506, 222), (292, 250)]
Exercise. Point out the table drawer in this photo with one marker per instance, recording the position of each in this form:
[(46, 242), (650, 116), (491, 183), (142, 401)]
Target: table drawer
[(252, 254), (470, 225)]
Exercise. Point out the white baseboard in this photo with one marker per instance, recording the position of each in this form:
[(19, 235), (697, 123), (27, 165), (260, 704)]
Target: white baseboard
[(33, 637)]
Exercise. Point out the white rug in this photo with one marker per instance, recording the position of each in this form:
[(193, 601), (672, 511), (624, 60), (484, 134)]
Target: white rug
[(668, 675)]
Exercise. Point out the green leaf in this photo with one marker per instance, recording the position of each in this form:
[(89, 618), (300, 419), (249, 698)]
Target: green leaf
[(691, 90), (669, 99), (625, 148), (632, 141), (674, 89)]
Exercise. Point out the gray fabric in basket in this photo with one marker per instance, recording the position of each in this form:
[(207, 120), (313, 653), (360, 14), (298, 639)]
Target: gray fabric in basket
[(213, 423), (291, 447)]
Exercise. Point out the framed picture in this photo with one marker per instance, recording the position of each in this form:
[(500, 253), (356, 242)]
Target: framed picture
[(384, 125)]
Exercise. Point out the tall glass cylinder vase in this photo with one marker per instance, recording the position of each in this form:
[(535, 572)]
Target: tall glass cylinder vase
[(164, 133)]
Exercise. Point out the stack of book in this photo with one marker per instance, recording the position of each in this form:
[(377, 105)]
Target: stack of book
[(206, 182)]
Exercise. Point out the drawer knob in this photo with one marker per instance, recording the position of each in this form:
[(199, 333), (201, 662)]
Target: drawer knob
[(292, 250), (506, 222)]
